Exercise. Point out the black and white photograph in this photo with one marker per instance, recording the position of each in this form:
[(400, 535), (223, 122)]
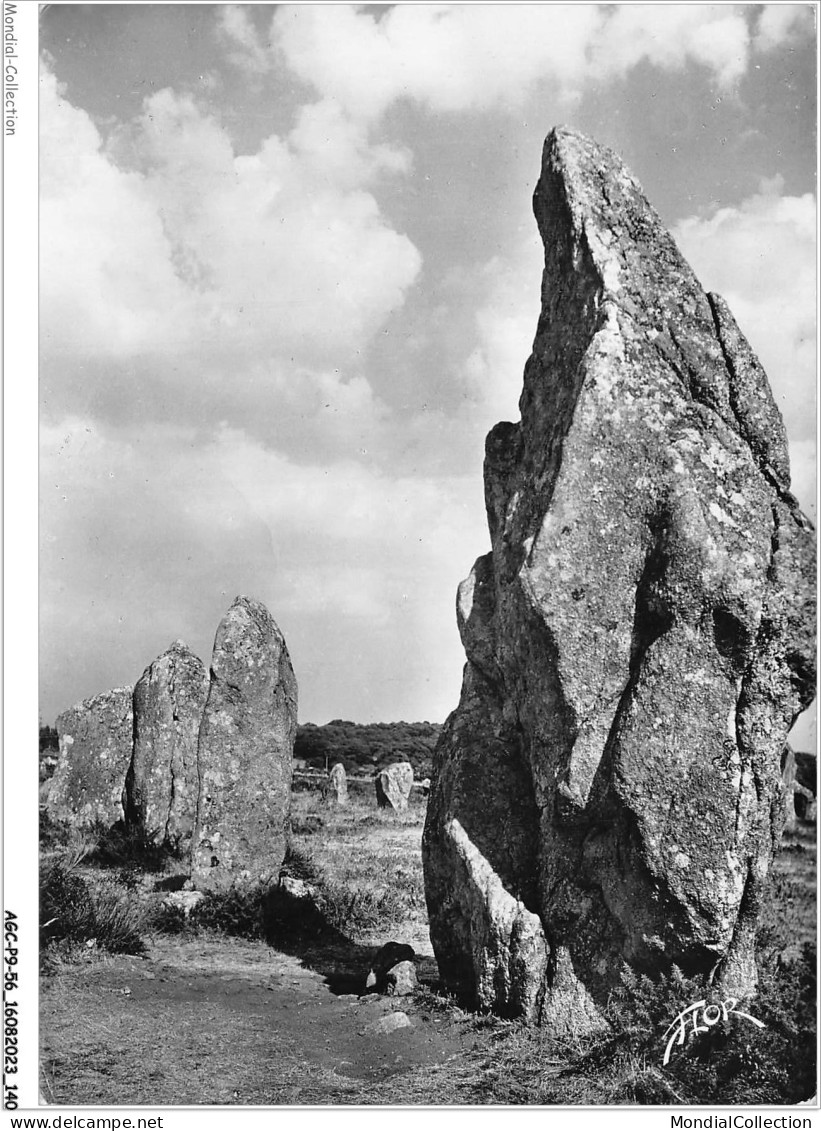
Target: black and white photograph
[(424, 578)]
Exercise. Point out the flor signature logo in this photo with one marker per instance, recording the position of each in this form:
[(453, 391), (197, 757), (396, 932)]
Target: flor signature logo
[(710, 1015)]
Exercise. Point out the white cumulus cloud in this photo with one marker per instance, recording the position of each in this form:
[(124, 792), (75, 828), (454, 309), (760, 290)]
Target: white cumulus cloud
[(235, 24), (473, 57), (671, 35), (203, 271), (107, 281), (782, 23)]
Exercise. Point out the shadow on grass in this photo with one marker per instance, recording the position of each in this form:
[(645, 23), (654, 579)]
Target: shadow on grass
[(291, 918), (293, 924), (132, 848)]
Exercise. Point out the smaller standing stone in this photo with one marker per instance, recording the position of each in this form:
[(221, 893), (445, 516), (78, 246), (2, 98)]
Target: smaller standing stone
[(95, 739), (393, 786), (245, 752), (163, 780), (336, 791), (797, 788)]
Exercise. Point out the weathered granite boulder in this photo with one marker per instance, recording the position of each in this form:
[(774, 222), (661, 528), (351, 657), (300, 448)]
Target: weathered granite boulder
[(296, 889), (245, 752), (162, 781), (401, 980), (95, 751), (393, 786), (390, 1023), (393, 957), (639, 640), (336, 791), (185, 901)]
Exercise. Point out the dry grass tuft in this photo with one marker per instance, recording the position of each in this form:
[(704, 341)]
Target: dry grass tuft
[(366, 864)]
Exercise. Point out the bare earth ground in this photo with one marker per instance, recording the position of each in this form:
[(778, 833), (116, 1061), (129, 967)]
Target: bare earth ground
[(217, 1020), (228, 1022), (222, 1020)]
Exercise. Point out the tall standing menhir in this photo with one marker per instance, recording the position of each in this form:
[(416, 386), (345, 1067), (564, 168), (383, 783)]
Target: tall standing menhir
[(639, 640)]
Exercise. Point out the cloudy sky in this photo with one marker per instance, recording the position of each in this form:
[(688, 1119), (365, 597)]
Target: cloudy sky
[(289, 279)]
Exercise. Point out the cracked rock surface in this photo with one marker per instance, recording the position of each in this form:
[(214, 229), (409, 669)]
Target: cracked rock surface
[(95, 751), (639, 640), (162, 782), (245, 752)]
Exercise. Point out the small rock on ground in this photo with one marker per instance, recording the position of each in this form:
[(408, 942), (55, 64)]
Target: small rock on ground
[(390, 1023)]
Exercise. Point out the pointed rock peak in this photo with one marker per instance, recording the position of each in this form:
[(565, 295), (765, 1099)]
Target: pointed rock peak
[(176, 650), (242, 599), (245, 608), (583, 160), (614, 273), (178, 646), (588, 188), (591, 173)]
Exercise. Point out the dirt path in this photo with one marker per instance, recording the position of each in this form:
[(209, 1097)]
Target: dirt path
[(232, 1022)]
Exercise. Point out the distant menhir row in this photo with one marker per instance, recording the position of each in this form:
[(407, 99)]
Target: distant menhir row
[(192, 759)]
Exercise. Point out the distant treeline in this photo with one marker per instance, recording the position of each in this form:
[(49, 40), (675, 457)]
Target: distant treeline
[(360, 747), (48, 739), (365, 747)]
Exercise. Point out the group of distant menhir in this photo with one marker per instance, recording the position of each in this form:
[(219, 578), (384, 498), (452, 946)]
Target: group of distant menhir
[(203, 763)]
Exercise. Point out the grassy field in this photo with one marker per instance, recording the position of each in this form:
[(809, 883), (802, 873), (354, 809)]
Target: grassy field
[(257, 999), (369, 864)]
